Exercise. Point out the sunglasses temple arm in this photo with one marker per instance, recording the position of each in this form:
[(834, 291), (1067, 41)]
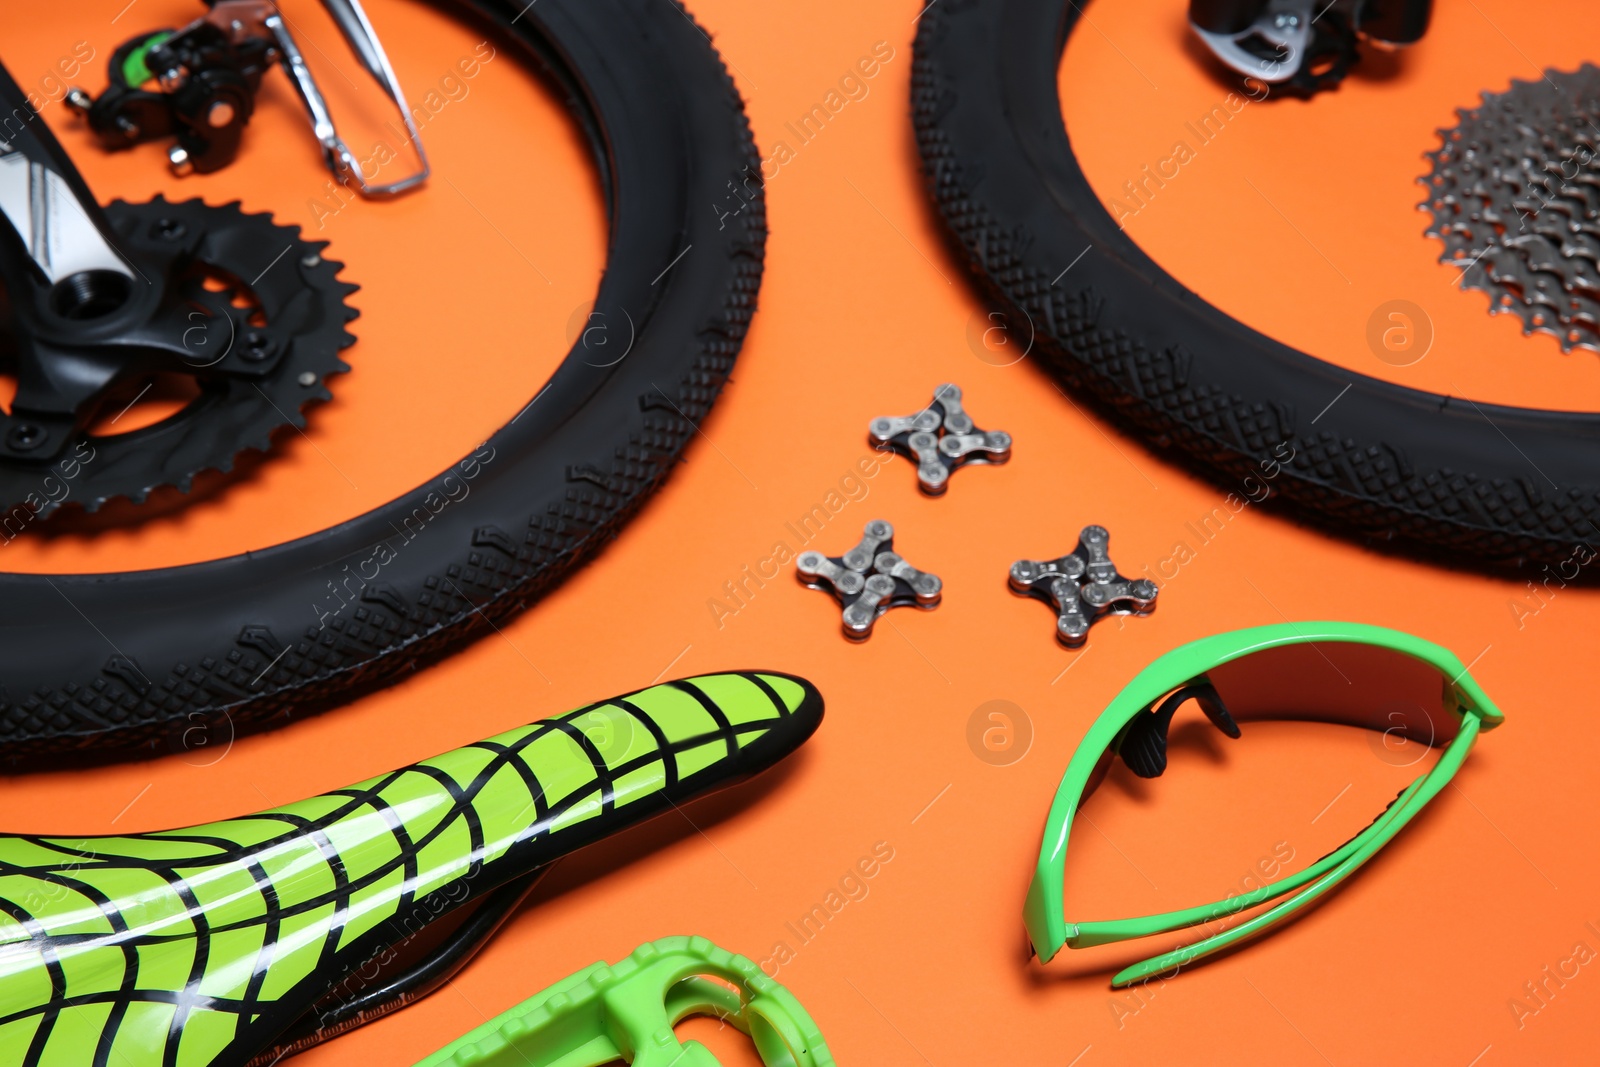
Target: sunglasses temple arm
[(1367, 845), (1090, 934)]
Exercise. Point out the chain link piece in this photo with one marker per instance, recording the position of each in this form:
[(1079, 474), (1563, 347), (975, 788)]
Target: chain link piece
[(865, 597), (1083, 586), (941, 438)]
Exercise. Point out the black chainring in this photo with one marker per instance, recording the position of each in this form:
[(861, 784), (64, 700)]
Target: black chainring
[(246, 289)]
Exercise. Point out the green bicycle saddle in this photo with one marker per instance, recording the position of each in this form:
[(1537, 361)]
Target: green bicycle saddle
[(236, 942)]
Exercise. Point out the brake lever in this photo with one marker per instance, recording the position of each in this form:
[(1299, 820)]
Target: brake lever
[(207, 76)]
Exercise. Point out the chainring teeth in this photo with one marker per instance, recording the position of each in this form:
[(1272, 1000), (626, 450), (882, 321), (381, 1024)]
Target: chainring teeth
[(213, 436)]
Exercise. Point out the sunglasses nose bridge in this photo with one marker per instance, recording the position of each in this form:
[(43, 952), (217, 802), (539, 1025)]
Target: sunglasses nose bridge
[(1143, 744), (1210, 703)]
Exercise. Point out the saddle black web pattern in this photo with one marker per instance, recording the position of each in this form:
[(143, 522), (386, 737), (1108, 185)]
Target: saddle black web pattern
[(194, 947)]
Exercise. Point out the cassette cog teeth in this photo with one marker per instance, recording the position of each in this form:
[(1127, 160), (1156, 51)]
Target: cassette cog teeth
[(1503, 209), (240, 414)]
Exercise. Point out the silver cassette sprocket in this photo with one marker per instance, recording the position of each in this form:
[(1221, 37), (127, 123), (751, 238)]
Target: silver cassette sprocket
[(1514, 193)]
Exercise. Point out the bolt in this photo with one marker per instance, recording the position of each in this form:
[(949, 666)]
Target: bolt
[(79, 101), (129, 128), (307, 380), (257, 347), (170, 229), (25, 437), (310, 261), (172, 79), (182, 165)]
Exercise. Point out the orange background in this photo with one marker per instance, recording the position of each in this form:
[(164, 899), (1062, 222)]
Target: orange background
[(471, 289)]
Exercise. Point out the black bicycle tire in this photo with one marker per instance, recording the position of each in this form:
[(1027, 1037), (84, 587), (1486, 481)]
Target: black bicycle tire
[(1446, 478), (194, 655)]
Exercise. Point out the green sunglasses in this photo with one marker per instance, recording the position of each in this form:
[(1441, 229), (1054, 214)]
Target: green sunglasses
[(1337, 672)]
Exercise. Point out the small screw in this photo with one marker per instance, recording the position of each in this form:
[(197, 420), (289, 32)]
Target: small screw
[(79, 101), (307, 379), (310, 261), (182, 165), (172, 79), (1286, 20), (170, 229), (25, 437), (257, 347)]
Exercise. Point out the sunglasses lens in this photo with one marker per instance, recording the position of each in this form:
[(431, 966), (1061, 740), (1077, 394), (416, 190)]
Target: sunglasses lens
[(1342, 682)]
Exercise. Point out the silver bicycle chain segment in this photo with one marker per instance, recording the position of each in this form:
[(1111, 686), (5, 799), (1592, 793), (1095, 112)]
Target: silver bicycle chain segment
[(961, 446), (1515, 198), (1083, 586), (1072, 617), (927, 587), (940, 438), (860, 615), (815, 569), (932, 474), (948, 397), (869, 579), (885, 427)]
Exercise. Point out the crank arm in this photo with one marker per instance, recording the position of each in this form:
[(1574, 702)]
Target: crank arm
[(53, 222), (61, 272), (90, 304)]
